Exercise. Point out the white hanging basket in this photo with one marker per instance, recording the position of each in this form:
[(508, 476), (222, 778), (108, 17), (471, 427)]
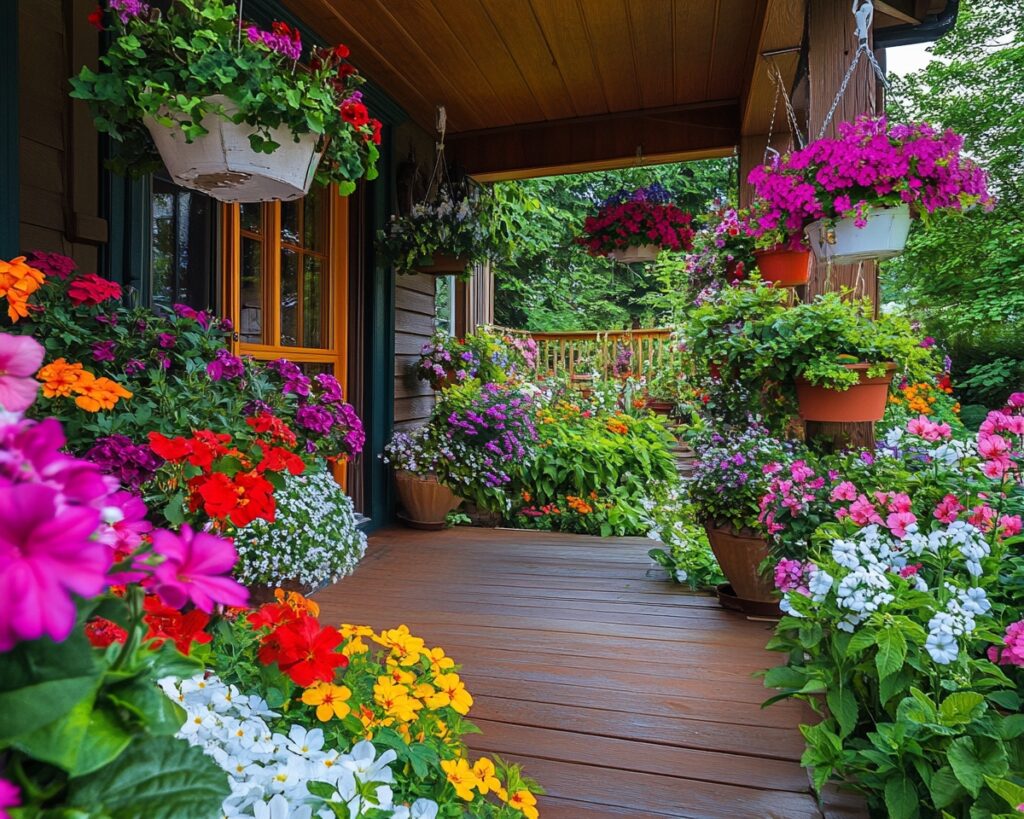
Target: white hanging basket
[(223, 164), (884, 236), (631, 255)]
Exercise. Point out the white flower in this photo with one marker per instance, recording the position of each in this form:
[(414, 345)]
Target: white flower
[(681, 575), (362, 763), (818, 583), (942, 647), (845, 554), (279, 808), (303, 742)]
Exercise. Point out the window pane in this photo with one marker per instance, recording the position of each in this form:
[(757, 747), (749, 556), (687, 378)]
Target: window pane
[(312, 368), (290, 320), (444, 304), (314, 228), (290, 222), (251, 292), (181, 247), (251, 217), (315, 300)]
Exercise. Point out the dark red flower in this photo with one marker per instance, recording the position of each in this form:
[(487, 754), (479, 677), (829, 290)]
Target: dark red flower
[(340, 51), (354, 113), (304, 651), (377, 125), (95, 18), (166, 623), (101, 632), (90, 289)]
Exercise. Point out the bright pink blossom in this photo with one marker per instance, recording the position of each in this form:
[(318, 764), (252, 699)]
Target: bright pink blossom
[(863, 512), (929, 430), (10, 797), (20, 359), (791, 575), (899, 522), (982, 517), (1013, 653), (846, 491), (1009, 525), (196, 568), (948, 509)]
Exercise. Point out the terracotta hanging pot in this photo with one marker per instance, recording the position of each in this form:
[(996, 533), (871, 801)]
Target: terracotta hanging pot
[(444, 264), (223, 164), (884, 236), (740, 554), (439, 384), (864, 401), (635, 254), (783, 267), (425, 501)]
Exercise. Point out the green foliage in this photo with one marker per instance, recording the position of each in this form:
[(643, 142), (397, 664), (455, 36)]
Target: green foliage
[(965, 275), (550, 283), (685, 553), (166, 68)]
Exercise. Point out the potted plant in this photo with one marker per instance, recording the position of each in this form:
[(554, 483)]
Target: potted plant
[(417, 459), (841, 360), (723, 252), (492, 358), (634, 226), (226, 106), (445, 236), (726, 489), (854, 193)]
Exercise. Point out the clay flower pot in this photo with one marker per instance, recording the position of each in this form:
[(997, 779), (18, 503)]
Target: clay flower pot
[(784, 268), (862, 402), (443, 264), (425, 501), (740, 554)]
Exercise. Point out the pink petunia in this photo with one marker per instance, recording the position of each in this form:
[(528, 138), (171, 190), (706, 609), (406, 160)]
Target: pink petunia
[(863, 512), (46, 554), (948, 509), (20, 359), (899, 522), (846, 491), (196, 568)]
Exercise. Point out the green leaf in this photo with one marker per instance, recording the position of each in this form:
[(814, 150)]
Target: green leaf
[(843, 705), (944, 787), (959, 708), (156, 778), (80, 742), (892, 651), (974, 759), (900, 798), (1010, 791)]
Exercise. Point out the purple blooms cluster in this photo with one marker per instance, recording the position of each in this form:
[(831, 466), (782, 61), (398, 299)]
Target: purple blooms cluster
[(437, 362), (225, 365), (128, 9), (131, 463), (286, 42), (201, 317), (868, 163), (655, 194)]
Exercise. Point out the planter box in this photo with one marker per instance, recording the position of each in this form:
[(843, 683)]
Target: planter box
[(784, 268), (635, 255), (425, 501), (223, 164), (739, 554), (862, 402), (884, 236), (444, 264)]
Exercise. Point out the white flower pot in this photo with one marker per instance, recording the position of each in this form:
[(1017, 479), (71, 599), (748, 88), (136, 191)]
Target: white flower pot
[(884, 236), (642, 253), (223, 164)]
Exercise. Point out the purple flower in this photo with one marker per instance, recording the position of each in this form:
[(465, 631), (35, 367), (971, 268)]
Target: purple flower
[(330, 389), (282, 43), (134, 366), (167, 340), (140, 326), (132, 464), (163, 360), (104, 350), (257, 407), (225, 365), (129, 9), (109, 320), (315, 418), (226, 325), (927, 342)]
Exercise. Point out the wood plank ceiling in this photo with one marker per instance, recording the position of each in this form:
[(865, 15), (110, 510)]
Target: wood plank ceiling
[(526, 83)]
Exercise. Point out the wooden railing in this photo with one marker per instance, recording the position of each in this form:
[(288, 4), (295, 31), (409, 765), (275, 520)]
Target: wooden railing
[(597, 351)]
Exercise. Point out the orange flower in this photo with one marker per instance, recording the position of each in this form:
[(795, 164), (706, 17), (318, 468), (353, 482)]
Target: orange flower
[(18, 281), (617, 427), (579, 505), (60, 378), (95, 394)]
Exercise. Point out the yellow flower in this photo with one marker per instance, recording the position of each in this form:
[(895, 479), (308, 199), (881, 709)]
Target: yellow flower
[(452, 692), (438, 661), (354, 646), (329, 700), (405, 648), (461, 776), (525, 802), (400, 677), (483, 768), (395, 699), (348, 630), (423, 690)]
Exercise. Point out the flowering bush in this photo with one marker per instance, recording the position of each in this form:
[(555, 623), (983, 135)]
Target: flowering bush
[(902, 611), (167, 66), (869, 163), (723, 253), (932, 398), (487, 356), (308, 719), (685, 552), (80, 564), (312, 539), (645, 216)]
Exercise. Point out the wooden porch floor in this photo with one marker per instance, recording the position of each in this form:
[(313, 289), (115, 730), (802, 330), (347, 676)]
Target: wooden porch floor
[(621, 695)]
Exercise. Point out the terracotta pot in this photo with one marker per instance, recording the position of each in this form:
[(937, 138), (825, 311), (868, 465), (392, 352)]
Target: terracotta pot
[(862, 402), (740, 554), (784, 268), (659, 406), (443, 264), (425, 501)]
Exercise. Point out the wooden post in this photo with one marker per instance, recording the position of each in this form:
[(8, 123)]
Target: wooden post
[(832, 44)]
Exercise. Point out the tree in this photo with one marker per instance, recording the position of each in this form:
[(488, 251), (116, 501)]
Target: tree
[(965, 274), (551, 283)]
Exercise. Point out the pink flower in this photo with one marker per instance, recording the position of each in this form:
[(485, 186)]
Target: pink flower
[(846, 491), (929, 430), (791, 575), (127, 515), (20, 359), (900, 502), (948, 509), (863, 512), (10, 797), (1009, 525), (194, 569), (46, 553), (898, 522), (910, 570), (1013, 653), (982, 517)]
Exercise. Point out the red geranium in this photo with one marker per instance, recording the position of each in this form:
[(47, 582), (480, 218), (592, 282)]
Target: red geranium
[(95, 18), (166, 623), (170, 449), (90, 289), (304, 651), (102, 632), (278, 429), (377, 125), (354, 113), (278, 459)]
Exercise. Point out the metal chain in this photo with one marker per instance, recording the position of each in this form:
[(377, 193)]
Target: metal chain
[(768, 149), (794, 125)]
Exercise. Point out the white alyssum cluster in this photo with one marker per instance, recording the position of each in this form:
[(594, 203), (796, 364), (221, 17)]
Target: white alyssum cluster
[(959, 539), (313, 538), (269, 772)]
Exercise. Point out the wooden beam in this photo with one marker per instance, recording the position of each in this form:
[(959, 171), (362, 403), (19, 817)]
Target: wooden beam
[(781, 29), (891, 9), (598, 143)]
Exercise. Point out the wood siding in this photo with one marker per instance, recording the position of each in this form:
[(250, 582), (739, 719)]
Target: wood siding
[(58, 148), (414, 325)]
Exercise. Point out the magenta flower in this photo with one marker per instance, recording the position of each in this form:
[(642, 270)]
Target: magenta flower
[(104, 350), (52, 264), (10, 797), (20, 359), (196, 568), (225, 365), (1013, 653), (46, 554)]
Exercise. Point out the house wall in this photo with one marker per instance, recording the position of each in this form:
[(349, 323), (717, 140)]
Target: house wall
[(59, 187)]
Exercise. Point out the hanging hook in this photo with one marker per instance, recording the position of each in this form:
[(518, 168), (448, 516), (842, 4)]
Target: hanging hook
[(863, 13)]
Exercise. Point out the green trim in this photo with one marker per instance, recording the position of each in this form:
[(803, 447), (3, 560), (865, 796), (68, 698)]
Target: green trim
[(126, 256), (10, 217), (380, 104)]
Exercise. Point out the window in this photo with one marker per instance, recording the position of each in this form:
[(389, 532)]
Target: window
[(444, 304), (181, 247)]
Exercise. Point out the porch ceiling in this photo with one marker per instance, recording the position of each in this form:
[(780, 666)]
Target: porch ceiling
[(550, 85)]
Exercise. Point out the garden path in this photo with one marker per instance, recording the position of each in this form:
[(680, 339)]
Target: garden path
[(620, 694)]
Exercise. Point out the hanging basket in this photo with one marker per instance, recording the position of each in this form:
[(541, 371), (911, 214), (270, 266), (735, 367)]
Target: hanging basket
[(223, 164), (864, 401), (444, 264), (635, 254), (884, 236), (783, 267)]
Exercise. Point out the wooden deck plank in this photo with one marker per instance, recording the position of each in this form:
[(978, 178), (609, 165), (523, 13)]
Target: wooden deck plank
[(623, 695)]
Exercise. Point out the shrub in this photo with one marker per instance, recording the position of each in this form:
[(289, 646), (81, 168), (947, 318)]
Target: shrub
[(313, 538)]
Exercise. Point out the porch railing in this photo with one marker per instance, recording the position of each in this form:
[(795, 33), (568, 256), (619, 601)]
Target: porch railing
[(597, 351)]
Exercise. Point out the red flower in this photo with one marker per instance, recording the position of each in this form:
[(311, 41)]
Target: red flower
[(90, 289), (205, 447), (304, 651), (272, 614), (284, 30), (278, 429), (217, 495), (354, 113), (242, 500), (377, 125), (95, 18), (340, 51), (170, 449), (166, 623), (277, 459), (255, 500), (101, 632), (345, 70)]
